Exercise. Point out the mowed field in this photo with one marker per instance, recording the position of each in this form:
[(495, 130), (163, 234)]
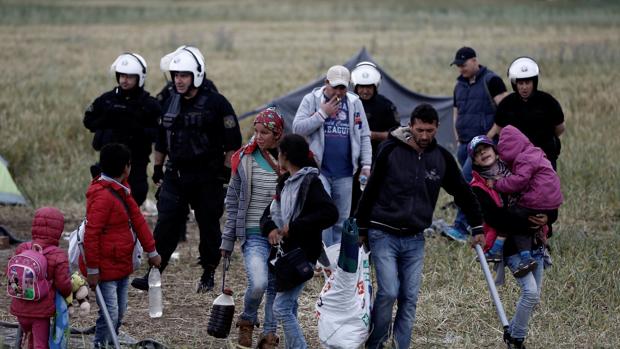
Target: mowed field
[(55, 59)]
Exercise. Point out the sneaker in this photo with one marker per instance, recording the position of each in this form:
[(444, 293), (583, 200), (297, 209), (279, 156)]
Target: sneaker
[(207, 281), (524, 267), (548, 262), (141, 283), (454, 234), (493, 257)]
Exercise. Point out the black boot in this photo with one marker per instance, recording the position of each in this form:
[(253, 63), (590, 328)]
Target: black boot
[(516, 343), (141, 283), (207, 280)]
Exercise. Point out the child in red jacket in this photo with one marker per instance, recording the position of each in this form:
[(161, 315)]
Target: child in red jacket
[(34, 316), (109, 240)]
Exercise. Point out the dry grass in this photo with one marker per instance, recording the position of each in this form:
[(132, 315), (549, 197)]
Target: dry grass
[(56, 57)]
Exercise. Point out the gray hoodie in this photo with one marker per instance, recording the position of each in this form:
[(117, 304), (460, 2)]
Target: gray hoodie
[(308, 122)]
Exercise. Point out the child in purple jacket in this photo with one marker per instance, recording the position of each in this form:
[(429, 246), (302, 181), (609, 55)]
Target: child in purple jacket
[(534, 183)]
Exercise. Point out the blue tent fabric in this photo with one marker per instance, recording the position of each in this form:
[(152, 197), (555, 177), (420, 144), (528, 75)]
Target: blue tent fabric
[(404, 99)]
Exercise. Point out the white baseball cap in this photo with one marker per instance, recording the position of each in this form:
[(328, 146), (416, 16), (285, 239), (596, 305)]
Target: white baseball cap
[(338, 76)]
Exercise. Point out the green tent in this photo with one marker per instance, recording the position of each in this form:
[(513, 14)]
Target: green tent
[(9, 194)]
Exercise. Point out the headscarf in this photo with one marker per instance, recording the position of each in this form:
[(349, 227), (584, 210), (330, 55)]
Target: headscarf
[(273, 121)]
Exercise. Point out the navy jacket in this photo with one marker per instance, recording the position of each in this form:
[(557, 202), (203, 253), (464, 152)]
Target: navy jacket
[(476, 108)]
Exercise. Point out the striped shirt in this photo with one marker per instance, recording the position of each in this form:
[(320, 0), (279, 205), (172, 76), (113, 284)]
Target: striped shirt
[(263, 188)]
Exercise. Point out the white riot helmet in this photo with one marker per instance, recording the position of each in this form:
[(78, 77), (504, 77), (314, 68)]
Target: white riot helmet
[(164, 63), (523, 68), (365, 73), (188, 59), (131, 64)]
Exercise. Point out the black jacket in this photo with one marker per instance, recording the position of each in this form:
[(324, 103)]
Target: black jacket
[(127, 118), (198, 131), (403, 187), (316, 213), (382, 117), (536, 118)]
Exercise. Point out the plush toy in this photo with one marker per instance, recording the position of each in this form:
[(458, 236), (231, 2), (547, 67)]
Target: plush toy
[(80, 294)]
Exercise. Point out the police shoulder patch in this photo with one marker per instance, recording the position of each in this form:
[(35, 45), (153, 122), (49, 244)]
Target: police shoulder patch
[(230, 121)]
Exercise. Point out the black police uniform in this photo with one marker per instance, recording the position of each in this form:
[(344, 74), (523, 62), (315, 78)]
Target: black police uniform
[(537, 117), (162, 98), (168, 90), (382, 116), (130, 118), (195, 133)]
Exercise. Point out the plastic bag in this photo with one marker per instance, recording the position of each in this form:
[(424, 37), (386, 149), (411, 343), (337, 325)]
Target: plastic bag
[(59, 330), (344, 306), (75, 238)]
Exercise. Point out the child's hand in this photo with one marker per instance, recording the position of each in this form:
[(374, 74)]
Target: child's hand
[(155, 261), (490, 183), (93, 280)]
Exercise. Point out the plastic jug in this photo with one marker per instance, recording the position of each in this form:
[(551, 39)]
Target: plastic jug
[(222, 313)]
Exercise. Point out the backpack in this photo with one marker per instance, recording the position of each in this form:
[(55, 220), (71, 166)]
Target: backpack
[(27, 274)]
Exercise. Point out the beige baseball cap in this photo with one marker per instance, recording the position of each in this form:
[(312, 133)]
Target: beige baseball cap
[(338, 76)]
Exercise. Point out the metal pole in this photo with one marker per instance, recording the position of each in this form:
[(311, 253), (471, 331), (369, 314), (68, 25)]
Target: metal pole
[(102, 306), (492, 289)]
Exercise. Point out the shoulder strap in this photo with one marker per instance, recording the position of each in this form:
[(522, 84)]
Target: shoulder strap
[(116, 195), (485, 79)]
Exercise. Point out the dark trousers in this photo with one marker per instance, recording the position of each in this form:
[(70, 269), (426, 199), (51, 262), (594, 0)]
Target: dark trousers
[(356, 193), (524, 242), (138, 181), (204, 193)]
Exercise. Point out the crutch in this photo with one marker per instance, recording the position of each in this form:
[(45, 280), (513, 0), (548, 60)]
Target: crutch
[(103, 307), (492, 289)]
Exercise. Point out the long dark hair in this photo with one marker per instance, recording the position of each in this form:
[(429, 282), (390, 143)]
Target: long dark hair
[(297, 152)]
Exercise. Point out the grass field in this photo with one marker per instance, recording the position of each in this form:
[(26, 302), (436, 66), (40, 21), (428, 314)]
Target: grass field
[(55, 58)]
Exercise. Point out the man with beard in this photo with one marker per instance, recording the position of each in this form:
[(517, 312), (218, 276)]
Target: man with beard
[(126, 115), (396, 206), (199, 133)]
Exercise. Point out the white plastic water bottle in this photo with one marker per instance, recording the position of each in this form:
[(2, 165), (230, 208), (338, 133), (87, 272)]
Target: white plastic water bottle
[(363, 181), (155, 295)]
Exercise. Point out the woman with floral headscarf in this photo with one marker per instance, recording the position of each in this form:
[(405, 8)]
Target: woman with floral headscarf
[(252, 186)]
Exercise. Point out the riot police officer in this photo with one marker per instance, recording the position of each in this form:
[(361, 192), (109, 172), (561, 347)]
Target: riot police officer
[(162, 97), (380, 112), (128, 115), (198, 134), (534, 112)]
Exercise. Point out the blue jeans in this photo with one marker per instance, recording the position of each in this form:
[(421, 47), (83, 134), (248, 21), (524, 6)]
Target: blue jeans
[(530, 285), (285, 309), (261, 281), (460, 222), (115, 297), (340, 190), (398, 264)]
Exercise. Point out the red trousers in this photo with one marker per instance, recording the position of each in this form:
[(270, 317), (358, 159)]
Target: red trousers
[(36, 332)]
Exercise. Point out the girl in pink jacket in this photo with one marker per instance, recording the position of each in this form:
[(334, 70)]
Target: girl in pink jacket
[(34, 316), (533, 182)]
